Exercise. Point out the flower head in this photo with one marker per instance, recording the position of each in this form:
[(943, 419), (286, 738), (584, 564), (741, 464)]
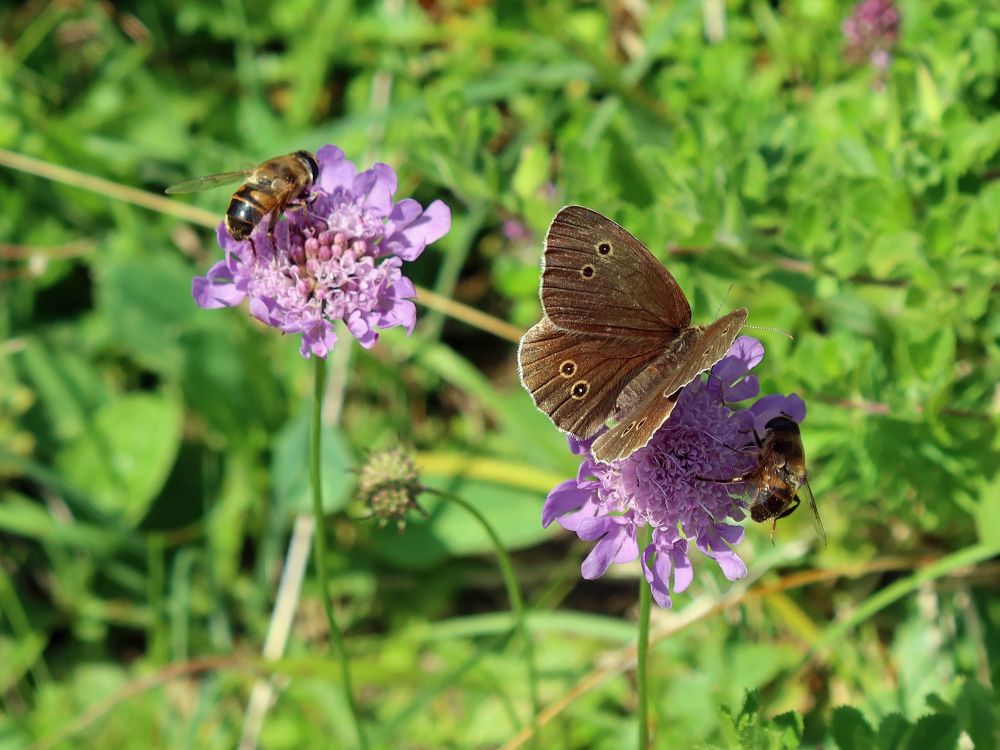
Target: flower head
[(337, 257), (389, 484), (871, 31), (667, 484)]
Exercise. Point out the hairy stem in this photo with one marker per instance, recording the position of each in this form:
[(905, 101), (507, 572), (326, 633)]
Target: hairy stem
[(513, 593), (642, 648), (319, 547)]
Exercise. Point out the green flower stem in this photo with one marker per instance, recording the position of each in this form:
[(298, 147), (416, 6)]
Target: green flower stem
[(336, 637), (513, 593), (642, 654)]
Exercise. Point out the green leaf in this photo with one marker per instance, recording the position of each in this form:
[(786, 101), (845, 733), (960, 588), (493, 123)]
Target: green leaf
[(125, 455), (988, 512), (752, 731), (791, 725), (930, 98), (856, 158), (17, 655), (851, 730), (755, 177), (145, 303), (976, 707), (515, 515), (227, 379), (290, 473), (892, 732), (532, 171), (68, 386), (26, 517), (934, 732)]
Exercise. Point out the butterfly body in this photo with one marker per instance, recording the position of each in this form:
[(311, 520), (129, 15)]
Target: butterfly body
[(616, 337)]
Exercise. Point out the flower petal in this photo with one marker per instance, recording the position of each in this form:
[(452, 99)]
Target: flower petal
[(741, 390), (375, 188), (361, 329), (713, 543), (564, 497), (658, 576), (216, 289), (683, 571), (318, 340), (731, 374), (335, 171), (411, 237), (595, 526), (580, 447), (604, 553), (733, 567), (776, 405)]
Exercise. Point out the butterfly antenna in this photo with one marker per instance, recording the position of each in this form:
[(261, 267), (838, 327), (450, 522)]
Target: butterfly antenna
[(782, 331), (724, 297)]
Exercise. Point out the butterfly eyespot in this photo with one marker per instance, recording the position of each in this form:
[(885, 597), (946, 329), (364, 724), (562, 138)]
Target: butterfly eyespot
[(628, 429), (579, 389), (567, 368), (641, 423), (604, 248), (587, 271)]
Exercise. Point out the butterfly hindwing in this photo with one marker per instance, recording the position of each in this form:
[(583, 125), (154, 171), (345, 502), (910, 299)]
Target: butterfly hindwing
[(647, 401), (576, 379)]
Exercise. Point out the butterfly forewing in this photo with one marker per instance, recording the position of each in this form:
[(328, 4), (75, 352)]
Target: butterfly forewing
[(208, 181), (576, 379), (597, 278), (647, 401)]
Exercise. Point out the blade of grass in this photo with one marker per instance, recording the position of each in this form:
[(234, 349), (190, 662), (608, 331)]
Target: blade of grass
[(461, 245)]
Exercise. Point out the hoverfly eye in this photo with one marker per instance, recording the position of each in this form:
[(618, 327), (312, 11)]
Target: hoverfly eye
[(310, 160)]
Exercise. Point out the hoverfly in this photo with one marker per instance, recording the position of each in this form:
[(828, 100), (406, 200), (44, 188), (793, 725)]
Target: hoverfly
[(773, 484), (267, 190)]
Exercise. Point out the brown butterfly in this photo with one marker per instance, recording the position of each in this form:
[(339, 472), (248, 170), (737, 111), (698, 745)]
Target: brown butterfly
[(774, 483), (616, 335)]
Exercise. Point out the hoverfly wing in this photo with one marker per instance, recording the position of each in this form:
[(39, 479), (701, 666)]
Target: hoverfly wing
[(817, 521), (209, 181)]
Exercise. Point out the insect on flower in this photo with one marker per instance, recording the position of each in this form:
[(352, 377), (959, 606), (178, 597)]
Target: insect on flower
[(660, 485), (773, 484), (342, 259), (267, 190)]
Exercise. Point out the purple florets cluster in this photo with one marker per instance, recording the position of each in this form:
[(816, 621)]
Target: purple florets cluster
[(664, 485), (339, 257), (871, 31)]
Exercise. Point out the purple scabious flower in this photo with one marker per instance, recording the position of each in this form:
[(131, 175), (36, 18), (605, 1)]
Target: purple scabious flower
[(871, 31), (663, 484), (339, 257)]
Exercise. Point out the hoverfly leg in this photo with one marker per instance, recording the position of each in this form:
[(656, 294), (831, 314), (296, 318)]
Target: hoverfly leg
[(790, 509), (733, 480)]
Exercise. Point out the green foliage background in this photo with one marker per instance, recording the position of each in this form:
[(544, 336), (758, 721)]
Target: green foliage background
[(153, 455)]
